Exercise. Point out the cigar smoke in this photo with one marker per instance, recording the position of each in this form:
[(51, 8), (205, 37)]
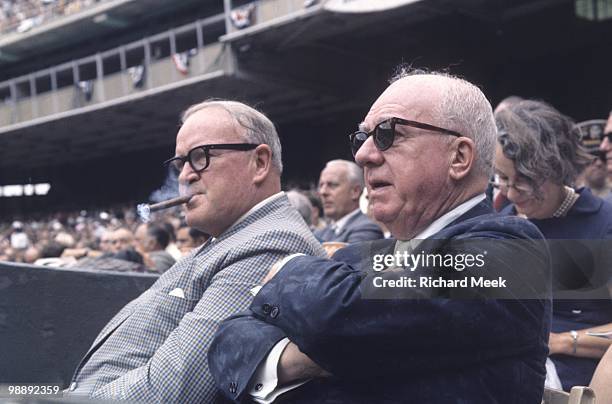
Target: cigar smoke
[(166, 196), (144, 209)]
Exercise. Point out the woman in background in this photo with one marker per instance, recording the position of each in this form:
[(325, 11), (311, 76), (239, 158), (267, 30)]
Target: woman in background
[(537, 160)]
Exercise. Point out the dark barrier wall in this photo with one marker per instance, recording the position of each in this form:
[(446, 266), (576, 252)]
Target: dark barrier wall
[(49, 317)]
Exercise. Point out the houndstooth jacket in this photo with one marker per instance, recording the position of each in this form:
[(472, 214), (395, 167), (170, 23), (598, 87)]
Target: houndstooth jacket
[(155, 349)]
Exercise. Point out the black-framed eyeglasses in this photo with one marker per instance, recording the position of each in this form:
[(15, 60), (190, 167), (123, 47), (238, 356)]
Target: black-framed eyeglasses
[(384, 133), (199, 156), (504, 185), (607, 135)]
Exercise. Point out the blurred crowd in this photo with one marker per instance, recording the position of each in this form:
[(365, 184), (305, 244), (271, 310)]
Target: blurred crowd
[(23, 15), (116, 238), (113, 239)]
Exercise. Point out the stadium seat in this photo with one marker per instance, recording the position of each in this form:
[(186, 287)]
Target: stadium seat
[(578, 395)]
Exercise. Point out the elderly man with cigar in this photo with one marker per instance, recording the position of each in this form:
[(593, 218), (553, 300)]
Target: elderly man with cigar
[(319, 331), (228, 161)]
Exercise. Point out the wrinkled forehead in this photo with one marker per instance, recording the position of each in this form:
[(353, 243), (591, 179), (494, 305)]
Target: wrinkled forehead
[(415, 98)]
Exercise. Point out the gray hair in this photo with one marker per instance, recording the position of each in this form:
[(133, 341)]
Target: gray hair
[(302, 204), (543, 143), (465, 109), (354, 173), (259, 129), (506, 102)]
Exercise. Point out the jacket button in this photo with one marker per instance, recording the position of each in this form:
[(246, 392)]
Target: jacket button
[(232, 387), (274, 312), (258, 387), (266, 308)]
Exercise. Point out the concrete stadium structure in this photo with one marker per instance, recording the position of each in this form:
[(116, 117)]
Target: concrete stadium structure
[(71, 115)]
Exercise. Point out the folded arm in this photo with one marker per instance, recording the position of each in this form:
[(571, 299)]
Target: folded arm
[(321, 309), (318, 305)]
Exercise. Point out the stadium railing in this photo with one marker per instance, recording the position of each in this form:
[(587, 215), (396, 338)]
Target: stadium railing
[(178, 54)]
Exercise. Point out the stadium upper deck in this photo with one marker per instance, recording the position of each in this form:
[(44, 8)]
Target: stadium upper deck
[(112, 79), (126, 86)]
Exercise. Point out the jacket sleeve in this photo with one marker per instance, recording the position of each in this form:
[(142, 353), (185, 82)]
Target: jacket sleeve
[(319, 304), (240, 345)]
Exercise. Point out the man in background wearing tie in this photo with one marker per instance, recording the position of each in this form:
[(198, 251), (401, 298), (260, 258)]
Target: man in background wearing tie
[(340, 186)]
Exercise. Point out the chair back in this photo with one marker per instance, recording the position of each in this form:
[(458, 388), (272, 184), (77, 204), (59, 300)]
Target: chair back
[(578, 395)]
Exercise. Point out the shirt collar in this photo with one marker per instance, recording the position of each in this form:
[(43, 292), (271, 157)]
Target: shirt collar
[(253, 209), (440, 223)]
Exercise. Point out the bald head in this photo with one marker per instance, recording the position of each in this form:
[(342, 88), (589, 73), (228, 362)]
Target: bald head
[(458, 105), (443, 142)]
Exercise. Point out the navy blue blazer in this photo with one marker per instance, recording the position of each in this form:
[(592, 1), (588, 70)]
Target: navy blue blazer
[(358, 228), (581, 249), (396, 350)]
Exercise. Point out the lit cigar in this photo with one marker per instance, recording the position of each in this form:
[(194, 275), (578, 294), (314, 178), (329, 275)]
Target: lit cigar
[(144, 210), (169, 203)]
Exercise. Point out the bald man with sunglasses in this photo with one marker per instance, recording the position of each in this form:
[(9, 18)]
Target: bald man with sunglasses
[(320, 330)]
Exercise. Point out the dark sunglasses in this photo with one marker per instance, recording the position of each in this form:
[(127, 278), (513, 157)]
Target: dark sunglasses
[(199, 157), (384, 133), (607, 135)]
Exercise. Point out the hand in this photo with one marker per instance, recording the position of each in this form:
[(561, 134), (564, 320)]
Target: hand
[(294, 365)]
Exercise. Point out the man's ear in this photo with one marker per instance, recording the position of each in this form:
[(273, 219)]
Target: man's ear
[(356, 192), (263, 162), (463, 158)]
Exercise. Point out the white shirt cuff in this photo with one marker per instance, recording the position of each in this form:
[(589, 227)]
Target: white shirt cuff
[(264, 383)]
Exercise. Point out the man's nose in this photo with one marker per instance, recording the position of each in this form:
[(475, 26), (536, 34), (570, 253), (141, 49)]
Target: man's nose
[(187, 175), (368, 154)]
